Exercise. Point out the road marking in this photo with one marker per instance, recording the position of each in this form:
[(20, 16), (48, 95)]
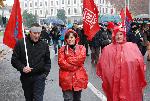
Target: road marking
[(97, 92)]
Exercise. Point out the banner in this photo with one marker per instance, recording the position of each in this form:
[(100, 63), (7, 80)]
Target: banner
[(13, 31), (128, 20), (122, 16), (90, 19)]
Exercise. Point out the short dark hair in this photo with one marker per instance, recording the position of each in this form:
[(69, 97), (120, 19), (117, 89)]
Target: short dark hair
[(67, 34), (35, 24)]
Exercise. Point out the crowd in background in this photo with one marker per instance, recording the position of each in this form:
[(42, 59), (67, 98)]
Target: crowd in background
[(138, 33)]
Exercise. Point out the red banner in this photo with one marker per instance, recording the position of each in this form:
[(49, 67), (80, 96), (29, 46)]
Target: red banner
[(90, 19), (128, 14), (122, 15), (13, 31), (128, 20)]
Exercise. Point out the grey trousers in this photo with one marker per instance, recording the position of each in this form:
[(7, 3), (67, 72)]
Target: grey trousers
[(71, 95), (95, 51)]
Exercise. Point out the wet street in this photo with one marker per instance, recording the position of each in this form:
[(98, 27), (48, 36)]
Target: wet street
[(10, 86)]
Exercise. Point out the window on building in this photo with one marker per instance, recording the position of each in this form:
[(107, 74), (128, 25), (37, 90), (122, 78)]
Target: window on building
[(112, 11), (30, 4), (103, 1), (75, 1), (52, 11), (69, 11), (68, 2), (25, 5), (35, 3), (45, 3), (52, 3), (40, 3), (46, 12), (63, 8), (41, 12), (75, 10), (56, 2), (103, 10), (63, 2), (36, 12), (106, 10), (100, 1), (99, 9)]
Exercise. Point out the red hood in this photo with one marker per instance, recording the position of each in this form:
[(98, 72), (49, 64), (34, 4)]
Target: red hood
[(117, 29)]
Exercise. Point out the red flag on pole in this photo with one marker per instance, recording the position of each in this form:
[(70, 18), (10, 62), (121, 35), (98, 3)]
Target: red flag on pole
[(122, 15), (128, 20), (128, 14), (90, 19), (13, 30)]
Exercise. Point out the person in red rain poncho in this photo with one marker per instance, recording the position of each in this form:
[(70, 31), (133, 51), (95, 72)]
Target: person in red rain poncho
[(72, 75), (121, 68)]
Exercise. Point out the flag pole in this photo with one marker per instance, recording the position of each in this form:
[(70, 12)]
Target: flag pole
[(25, 45), (125, 16), (125, 8), (24, 39)]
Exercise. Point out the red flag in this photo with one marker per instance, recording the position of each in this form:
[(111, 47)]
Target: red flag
[(122, 15), (90, 19), (128, 14), (13, 30), (128, 20)]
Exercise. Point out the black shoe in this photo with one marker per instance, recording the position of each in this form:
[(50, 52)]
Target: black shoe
[(148, 59), (95, 62)]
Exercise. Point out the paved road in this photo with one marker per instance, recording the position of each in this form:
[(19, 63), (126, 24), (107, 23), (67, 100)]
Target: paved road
[(10, 86)]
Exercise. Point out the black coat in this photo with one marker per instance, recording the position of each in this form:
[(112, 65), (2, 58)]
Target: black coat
[(38, 55), (44, 35), (106, 38), (97, 39)]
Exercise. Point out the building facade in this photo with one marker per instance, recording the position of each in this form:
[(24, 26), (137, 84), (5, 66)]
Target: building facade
[(73, 8)]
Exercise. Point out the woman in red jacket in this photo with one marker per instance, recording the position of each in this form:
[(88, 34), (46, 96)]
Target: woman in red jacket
[(121, 68), (72, 75)]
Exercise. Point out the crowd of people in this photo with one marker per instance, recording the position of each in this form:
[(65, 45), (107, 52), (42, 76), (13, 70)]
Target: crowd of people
[(138, 33), (116, 53)]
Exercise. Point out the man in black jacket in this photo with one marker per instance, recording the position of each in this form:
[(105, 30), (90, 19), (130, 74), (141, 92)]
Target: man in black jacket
[(33, 76), (95, 47)]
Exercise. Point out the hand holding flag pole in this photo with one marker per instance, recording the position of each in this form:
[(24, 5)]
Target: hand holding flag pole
[(25, 45)]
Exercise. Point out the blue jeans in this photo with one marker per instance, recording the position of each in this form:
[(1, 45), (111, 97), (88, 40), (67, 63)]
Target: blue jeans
[(33, 87)]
